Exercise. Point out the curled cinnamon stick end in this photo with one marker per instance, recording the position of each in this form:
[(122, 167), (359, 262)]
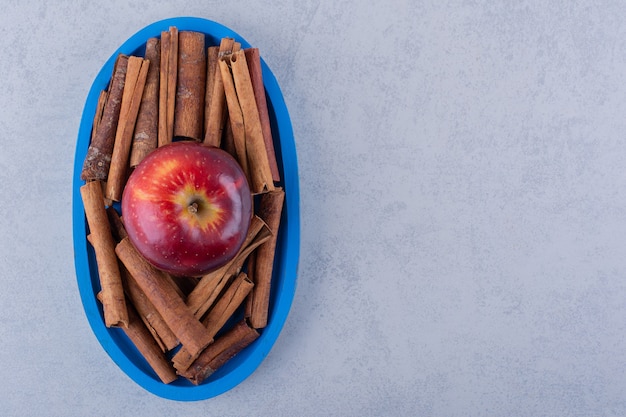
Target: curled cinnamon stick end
[(101, 238), (145, 138), (166, 300), (98, 159), (190, 89), (221, 351)]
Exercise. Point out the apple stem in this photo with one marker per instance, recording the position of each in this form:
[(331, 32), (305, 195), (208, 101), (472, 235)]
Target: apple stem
[(193, 207)]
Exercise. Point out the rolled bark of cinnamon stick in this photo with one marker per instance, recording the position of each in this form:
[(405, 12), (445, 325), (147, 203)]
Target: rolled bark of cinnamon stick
[(253, 60), (113, 300), (155, 324), (98, 159), (256, 154), (212, 53), (167, 88), (235, 117), (270, 210), (221, 351), (163, 136), (97, 118), (131, 100), (191, 86), (145, 138), (189, 330)]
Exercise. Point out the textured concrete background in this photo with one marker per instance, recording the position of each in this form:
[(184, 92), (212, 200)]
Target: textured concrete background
[(463, 183)]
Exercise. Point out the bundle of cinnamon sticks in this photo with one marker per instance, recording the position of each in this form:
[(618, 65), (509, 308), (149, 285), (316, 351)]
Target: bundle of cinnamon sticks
[(183, 89)]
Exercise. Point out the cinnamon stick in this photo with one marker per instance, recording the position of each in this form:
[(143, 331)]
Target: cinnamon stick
[(98, 159), (131, 99), (270, 210), (97, 118), (167, 89), (228, 302), (221, 351), (217, 106), (113, 301), (191, 86), (257, 161), (235, 117), (211, 71), (155, 324), (253, 60), (172, 79), (189, 331), (145, 138), (228, 140), (247, 312)]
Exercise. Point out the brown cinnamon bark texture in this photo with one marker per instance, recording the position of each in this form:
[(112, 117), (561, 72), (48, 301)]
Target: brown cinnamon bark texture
[(98, 159), (256, 159), (102, 99), (113, 300), (191, 86), (270, 210), (155, 324), (168, 73), (253, 59), (131, 100), (145, 138), (211, 71), (235, 118)]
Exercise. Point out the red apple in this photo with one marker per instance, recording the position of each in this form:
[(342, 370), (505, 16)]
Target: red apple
[(187, 208)]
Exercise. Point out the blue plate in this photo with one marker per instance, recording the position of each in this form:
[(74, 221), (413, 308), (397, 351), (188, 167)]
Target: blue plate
[(113, 340)]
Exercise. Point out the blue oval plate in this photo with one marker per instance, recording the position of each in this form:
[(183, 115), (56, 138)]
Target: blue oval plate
[(113, 340)]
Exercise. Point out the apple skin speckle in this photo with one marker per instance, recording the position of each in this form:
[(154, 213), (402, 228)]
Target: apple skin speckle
[(156, 207)]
